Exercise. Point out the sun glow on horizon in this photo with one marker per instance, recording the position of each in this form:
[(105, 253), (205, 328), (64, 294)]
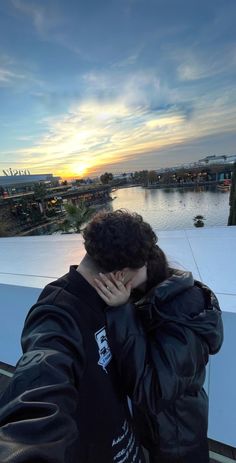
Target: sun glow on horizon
[(94, 136), (80, 101), (79, 169)]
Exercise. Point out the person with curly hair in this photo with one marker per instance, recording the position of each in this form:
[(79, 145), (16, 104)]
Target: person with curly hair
[(162, 325), (66, 402), (121, 323)]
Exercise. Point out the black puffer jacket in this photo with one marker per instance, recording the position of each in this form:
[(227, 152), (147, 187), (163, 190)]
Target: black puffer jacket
[(164, 368)]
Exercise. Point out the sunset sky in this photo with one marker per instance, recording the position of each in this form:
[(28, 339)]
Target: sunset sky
[(88, 86)]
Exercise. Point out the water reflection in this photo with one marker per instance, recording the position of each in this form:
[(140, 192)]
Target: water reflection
[(175, 208), (166, 209)]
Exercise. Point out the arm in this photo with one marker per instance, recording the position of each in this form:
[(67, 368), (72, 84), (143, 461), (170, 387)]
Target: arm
[(37, 410), (155, 368), (155, 372)]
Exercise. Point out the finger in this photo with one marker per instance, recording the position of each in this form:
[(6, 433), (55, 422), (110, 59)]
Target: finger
[(108, 283), (120, 276), (116, 274), (113, 278), (129, 287), (117, 282), (102, 286), (108, 275)]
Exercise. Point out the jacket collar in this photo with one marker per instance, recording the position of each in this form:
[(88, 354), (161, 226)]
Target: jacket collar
[(179, 281), (82, 289)]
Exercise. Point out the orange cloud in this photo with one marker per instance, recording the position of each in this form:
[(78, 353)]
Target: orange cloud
[(94, 136)]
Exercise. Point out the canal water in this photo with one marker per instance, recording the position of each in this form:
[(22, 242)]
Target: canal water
[(166, 209), (171, 209)]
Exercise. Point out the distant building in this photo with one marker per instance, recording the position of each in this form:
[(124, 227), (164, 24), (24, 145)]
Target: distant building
[(221, 159), (208, 160), (14, 184), (122, 176)]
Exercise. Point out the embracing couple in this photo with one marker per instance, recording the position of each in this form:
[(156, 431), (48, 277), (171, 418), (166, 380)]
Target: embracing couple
[(121, 324)]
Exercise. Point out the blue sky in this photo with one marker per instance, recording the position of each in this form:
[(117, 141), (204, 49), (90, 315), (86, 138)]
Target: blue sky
[(118, 85)]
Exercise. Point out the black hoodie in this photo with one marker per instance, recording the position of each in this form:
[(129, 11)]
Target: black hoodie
[(65, 403), (163, 369)]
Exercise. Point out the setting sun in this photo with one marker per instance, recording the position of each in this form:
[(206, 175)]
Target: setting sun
[(78, 169)]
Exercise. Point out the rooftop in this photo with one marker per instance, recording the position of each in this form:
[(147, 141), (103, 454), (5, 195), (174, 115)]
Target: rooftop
[(210, 253), (27, 264)]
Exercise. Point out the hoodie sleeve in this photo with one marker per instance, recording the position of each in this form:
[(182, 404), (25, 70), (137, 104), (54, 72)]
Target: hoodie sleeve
[(37, 410), (155, 371)]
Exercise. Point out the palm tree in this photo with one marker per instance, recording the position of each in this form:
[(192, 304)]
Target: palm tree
[(152, 177), (232, 199), (106, 178), (76, 216)]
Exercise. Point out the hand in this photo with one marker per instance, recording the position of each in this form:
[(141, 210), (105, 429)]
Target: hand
[(111, 289)]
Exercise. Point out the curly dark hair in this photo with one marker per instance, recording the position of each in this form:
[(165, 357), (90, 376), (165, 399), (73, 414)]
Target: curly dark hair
[(119, 239)]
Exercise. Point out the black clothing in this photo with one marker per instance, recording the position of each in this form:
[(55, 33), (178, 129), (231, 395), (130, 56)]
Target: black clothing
[(65, 403), (164, 371)]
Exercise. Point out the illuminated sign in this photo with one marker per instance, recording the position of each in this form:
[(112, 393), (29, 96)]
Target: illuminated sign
[(12, 172)]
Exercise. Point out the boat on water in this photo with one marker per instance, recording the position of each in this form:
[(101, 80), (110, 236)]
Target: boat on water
[(225, 186)]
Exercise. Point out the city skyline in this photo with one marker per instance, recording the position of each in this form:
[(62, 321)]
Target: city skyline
[(88, 87)]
